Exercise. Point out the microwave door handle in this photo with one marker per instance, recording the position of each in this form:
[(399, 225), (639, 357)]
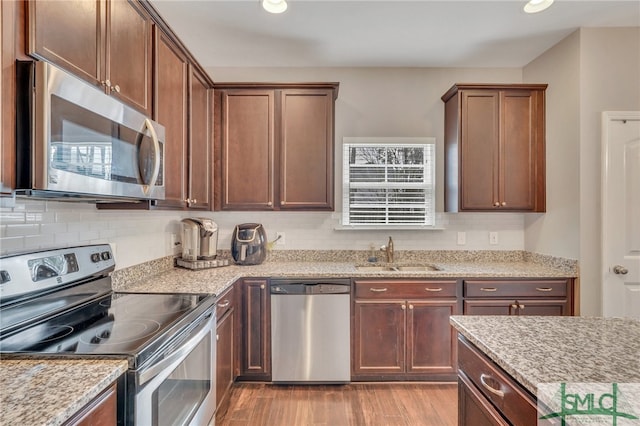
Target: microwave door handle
[(156, 148)]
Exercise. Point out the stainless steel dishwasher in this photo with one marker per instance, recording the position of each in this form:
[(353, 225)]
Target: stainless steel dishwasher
[(310, 330)]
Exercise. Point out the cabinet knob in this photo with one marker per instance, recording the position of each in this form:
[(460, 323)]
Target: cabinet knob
[(261, 286), (403, 307), (504, 203), (115, 88), (520, 306), (106, 83), (620, 270), (496, 204), (269, 204), (410, 306)]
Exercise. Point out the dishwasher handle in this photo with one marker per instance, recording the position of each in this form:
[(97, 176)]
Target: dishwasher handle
[(310, 287)]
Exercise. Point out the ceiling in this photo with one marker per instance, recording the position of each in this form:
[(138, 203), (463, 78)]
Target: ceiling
[(378, 33)]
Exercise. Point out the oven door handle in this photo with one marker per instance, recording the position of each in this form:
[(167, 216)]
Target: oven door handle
[(197, 332)]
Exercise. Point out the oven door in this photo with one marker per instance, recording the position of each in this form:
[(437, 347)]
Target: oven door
[(178, 388)]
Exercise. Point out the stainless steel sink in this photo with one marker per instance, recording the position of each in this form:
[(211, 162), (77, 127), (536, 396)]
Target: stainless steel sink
[(397, 268)]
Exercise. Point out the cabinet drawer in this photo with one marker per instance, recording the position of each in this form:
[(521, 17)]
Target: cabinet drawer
[(401, 289), (505, 394), (515, 288), (225, 302)]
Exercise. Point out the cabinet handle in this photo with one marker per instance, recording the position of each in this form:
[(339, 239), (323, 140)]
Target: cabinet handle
[(520, 306), (106, 83), (115, 88), (217, 337), (410, 306), (261, 286), (494, 391), (489, 289), (514, 306), (224, 304), (403, 307), (544, 288), (433, 289), (269, 204), (378, 290), (496, 204), (504, 203)]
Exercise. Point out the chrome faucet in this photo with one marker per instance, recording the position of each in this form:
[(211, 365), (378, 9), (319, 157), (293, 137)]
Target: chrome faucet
[(388, 249)]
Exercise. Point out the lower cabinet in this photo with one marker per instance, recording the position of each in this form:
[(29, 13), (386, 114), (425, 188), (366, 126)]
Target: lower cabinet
[(519, 297), (401, 330), (226, 346), (487, 394), (101, 411), (255, 346)]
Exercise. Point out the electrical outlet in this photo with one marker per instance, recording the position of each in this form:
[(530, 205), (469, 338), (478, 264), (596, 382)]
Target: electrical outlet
[(280, 241), (493, 238), (462, 238), (173, 243)]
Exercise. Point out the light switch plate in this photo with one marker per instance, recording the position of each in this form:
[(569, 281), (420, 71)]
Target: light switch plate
[(462, 238), (493, 238)]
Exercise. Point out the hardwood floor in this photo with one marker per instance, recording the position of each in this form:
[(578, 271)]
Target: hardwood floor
[(354, 404)]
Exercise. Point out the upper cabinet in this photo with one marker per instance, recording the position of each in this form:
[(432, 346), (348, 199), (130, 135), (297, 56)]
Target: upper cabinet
[(199, 142), (108, 43), (170, 106), (274, 146), (495, 148)]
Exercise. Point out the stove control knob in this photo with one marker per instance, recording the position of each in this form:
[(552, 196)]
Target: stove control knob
[(95, 257), (105, 255)]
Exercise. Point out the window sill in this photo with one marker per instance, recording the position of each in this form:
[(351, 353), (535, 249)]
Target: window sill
[(388, 227)]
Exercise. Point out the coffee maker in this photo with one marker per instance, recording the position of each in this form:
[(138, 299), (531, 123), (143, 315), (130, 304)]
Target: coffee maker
[(248, 244), (199, 239)]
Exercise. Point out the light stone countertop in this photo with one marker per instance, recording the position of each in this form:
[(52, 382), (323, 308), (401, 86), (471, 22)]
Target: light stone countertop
[(535, 350), (49, 392), (216, 280)]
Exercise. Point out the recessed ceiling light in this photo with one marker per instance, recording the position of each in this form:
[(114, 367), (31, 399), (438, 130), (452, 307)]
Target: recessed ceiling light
[(535, 6), (274, 6)]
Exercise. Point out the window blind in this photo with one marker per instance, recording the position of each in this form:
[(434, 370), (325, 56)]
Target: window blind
[(389, 184)]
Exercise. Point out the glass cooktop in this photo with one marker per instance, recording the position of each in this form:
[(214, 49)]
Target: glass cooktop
[(116, 324)]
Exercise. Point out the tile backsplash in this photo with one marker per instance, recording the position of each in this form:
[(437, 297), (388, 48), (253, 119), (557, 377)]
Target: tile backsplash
[(141, 236)]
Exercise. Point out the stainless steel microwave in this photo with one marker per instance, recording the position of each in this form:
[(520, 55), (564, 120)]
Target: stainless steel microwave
[(75, 141)]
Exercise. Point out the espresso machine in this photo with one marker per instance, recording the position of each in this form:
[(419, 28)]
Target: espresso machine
[(199, 243)]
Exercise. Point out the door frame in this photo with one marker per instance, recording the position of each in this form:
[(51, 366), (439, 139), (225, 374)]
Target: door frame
[(607, 118)]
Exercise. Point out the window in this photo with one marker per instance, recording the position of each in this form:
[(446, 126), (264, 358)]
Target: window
[(389, 184)]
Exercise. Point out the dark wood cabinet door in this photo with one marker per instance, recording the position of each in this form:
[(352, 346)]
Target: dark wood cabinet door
[(545, 307), (225, 355), (129, 53), (519, 149), (70, 34), (171, 111), (256, 330), (495, 147), (479, 149), (247, 150), (306, 150), (378, 338), (431, 341), (199, 143), (101, 411)]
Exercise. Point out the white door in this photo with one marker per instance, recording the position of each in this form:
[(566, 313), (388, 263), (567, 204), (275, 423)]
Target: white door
[(621, 214)]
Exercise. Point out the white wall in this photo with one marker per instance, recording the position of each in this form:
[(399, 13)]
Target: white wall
[(557, 232), (371, 102), (592, 70)]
